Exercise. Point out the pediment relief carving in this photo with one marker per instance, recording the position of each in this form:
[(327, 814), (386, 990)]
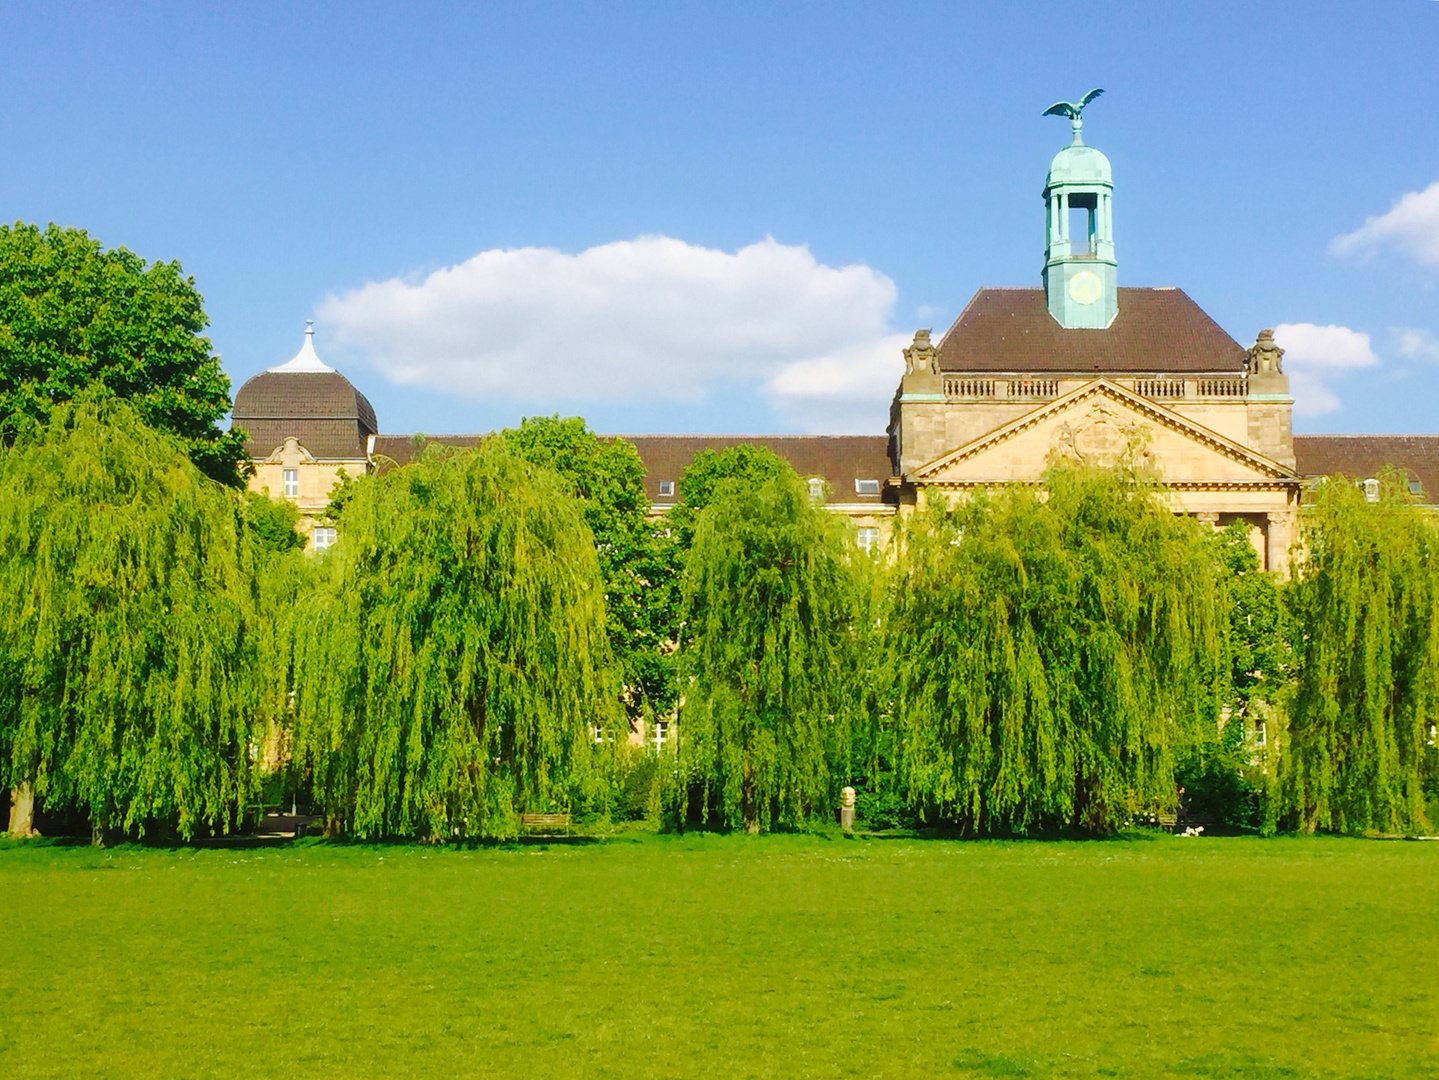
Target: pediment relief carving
[(1101, 436)]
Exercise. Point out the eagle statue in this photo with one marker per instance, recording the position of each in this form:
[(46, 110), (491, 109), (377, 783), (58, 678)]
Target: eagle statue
[(1072, 109)]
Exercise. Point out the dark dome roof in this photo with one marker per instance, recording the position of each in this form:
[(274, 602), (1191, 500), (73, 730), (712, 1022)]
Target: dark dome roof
[(284, 395), (315, 404)]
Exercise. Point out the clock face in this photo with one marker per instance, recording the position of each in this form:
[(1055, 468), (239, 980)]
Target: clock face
[(1085, 287)]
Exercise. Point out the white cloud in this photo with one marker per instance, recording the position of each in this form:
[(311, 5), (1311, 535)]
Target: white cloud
[(640, 320), (847, 392), (1314, 356), (1416, 344), (1411, 227)]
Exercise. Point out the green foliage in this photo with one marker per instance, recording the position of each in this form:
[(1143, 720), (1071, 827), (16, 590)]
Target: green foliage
[(74, 316), (273, 522), (129, 669), (1052, 649), (1366, 604), (752, 465), (341, 493), (636, 558), (452, 660), (769, 613), (1260, 657), (1225, 773)]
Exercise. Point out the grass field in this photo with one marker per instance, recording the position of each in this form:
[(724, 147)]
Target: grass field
[(711, 956)]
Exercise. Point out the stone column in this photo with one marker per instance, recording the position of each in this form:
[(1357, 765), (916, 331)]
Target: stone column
[(1277, 542)]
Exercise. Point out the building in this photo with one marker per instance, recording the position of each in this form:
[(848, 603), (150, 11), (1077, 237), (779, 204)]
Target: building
[(1076, 368), (306, 425)]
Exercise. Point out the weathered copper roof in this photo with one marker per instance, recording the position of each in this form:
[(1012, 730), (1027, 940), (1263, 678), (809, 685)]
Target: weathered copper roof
[(839, 459), (329, 417), (1360, 457), (1156, 330)]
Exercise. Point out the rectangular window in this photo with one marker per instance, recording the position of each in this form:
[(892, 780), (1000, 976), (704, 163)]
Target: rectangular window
[(1259, 733), (1415, 487), (324, 537), (667, 489), (866, 487), (662, 732), (292, 483), (867, 537)]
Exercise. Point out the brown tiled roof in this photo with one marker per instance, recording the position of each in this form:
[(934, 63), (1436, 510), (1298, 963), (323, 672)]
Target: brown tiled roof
[(403, 449), (326, 440), (329, 417), (1156, 330), (839, 459), (1360, 457)]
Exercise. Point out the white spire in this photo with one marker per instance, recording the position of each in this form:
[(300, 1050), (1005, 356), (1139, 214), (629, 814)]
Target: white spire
[(305, 360)]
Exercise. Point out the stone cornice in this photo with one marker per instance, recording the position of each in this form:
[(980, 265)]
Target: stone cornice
[(1278, 484)]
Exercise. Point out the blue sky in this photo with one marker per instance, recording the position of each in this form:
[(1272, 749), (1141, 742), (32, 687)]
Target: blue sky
[(724, 218)]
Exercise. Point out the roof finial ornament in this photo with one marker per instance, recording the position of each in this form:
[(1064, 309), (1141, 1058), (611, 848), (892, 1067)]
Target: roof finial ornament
[(1072, 109), (306, 360)]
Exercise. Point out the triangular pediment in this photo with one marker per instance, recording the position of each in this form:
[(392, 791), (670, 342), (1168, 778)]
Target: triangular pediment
[(1093, 425)]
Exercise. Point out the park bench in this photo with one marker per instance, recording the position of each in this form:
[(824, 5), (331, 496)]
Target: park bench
[(545, 823)]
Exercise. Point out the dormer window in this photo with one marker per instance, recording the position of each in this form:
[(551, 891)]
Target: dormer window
[(816, 488), (667, 489), (866, 487), (1371, 490)]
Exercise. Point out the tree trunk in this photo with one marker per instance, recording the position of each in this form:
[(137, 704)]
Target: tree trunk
[(22, 811), (749, 810)]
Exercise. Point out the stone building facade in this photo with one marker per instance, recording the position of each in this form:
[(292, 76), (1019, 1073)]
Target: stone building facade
[(1074, 369)]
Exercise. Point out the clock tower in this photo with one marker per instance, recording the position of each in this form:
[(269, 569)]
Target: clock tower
[(1079, 267)]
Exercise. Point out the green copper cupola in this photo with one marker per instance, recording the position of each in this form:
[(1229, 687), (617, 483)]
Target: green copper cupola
[(1080, 282)]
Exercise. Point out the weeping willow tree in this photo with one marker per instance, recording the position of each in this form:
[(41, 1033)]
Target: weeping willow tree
[(768, 654), (451, 663), (1051, 648), (129, 670), (1366, 605)]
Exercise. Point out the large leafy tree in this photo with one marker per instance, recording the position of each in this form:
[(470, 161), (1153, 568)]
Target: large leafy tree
[(129, 670), (636, 556), (1052, 648), (701, 480), (1227, 770), (75, 316), (769, 653), (1366, 607), (453, 662)]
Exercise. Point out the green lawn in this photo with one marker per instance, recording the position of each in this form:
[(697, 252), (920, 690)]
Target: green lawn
[(713, 956)]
